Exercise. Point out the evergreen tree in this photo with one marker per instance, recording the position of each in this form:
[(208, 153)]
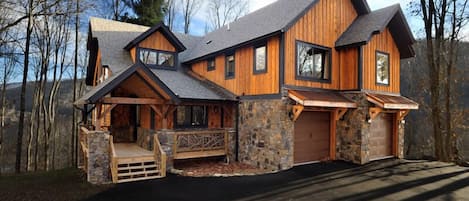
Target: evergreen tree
[(147, 12)]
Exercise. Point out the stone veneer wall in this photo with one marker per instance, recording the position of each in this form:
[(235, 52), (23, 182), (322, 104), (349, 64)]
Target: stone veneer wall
[(99, 171), (266, 134), (353, 132)]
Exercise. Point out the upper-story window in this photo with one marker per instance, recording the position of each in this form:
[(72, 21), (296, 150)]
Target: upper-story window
[(230, 66), (260, 59), (157, 57), (382, 68), (313, 62), (211, 64)]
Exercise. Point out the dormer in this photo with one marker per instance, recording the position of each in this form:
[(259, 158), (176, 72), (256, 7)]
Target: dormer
[(157, 48)]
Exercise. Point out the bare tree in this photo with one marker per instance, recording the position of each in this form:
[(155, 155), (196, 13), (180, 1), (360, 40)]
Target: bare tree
[(443, 20), (222, 12), (170, 13), (189, 9)]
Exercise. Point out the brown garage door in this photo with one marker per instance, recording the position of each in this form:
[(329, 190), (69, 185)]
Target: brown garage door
[(311, 137), (381, 136)]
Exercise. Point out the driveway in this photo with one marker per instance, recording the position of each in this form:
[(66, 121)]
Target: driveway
[(380, 180)]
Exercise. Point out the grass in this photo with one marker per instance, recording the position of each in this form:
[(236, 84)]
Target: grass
[(68, 184)]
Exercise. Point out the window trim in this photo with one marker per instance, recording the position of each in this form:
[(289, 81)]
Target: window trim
[(211, 68), (307, 78), (176, 126), (228, 77), (166, 67), (254, 69), (388, 71)]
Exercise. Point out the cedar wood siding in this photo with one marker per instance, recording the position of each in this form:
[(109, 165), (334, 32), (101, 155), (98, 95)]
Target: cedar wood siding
[(348, 69), (382, 42), (157, 41), (322, 25), (245, 82)]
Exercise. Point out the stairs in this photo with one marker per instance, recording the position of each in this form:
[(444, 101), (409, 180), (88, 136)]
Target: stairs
[(136, 169)]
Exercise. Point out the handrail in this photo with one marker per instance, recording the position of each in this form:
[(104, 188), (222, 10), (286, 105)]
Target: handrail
[(113, 159), (203, 143), (160, 154)]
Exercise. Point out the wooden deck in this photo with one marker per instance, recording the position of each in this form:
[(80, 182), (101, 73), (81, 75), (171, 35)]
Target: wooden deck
[(131, 150)]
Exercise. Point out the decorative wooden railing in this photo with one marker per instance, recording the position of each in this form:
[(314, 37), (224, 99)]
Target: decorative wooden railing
[(160, 155), (197, 144), (83, 139), (114, 163)]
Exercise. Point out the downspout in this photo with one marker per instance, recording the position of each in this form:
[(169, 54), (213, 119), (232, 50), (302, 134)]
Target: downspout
[(360, 68)]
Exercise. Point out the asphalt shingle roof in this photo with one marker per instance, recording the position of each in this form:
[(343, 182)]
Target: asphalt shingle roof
[(272, 18)]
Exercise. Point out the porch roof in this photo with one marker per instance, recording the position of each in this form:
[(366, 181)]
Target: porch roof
[(321, 99), (392, 101), (176, 85)]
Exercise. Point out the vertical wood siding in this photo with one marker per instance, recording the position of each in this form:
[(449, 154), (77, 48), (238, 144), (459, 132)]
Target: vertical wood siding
[(348, 69), (382, 42), (322, 25), (157, 41), (245, 81)]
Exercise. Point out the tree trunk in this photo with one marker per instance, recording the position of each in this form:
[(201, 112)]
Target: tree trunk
[(74, 141), (19, 140)]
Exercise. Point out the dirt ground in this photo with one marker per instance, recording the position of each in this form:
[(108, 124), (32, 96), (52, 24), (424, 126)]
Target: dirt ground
[(380, 180)]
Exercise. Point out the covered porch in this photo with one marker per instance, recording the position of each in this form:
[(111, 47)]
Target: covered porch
[(148, 124)]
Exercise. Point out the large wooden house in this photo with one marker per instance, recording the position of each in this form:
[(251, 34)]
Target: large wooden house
[(292, 83)]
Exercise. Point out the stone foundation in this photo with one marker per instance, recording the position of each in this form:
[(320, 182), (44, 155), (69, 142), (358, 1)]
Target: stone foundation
[(353, 132), (266, 134), (98, 169)]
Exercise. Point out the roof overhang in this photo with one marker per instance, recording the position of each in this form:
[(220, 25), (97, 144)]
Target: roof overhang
[(164, 30), (106, 87), (321, 99), (393, 102)]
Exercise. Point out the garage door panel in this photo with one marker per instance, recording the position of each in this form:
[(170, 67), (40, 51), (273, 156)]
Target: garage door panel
[(380, 141), (312, 137)]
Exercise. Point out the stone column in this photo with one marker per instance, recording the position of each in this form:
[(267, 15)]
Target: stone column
[(99, 171)]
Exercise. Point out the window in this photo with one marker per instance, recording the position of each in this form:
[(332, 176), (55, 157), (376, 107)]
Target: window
[(156, 58), (230, 66), (191, 116), (211, 64), (165, 59), (382, 68), (313, 62), (260, 59)]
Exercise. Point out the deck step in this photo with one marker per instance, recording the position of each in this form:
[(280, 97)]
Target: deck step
[(137, 167), (143, 173), (138, 179)]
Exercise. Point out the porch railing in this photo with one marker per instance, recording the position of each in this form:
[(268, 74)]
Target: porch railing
[(83, 140), (196, 144), (160, 155)]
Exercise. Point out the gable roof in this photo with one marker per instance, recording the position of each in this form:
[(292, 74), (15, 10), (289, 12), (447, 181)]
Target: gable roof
[(111, 37), (176, 84), (164, 30), (365, 26), (275, 17)]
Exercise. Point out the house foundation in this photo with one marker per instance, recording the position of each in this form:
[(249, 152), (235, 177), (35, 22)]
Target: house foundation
[(354, 132), (266, 134), (98, 169)]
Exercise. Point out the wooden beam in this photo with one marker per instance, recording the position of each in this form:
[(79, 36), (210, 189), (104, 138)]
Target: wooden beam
[(100, 116), (297, 109), (401, 114), (374, 111), (98, 120), (157, 110), (339, 113), (131, 101)]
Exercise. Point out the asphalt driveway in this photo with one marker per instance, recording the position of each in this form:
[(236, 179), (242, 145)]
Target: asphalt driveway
[(381, 180)]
